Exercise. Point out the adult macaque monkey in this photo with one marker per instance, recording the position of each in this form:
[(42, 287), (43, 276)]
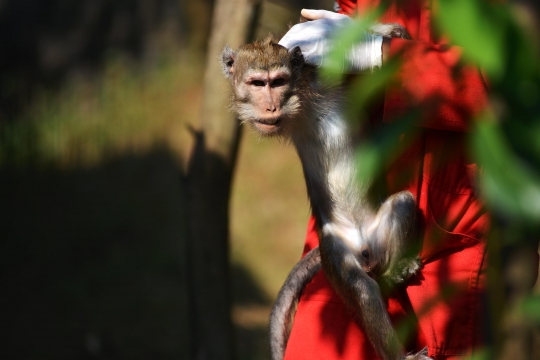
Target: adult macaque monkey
[(276, 91)]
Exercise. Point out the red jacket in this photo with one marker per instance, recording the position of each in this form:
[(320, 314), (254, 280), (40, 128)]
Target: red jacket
[(437, 170)]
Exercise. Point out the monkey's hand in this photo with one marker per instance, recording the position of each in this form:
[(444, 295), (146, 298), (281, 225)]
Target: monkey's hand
[(421, 355), (404, 269), (315, 39)]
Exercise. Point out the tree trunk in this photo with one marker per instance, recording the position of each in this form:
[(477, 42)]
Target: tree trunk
[(208, 186)]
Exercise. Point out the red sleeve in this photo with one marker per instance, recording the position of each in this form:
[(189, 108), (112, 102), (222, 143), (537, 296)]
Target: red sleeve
[(347, 7), (433, 79)]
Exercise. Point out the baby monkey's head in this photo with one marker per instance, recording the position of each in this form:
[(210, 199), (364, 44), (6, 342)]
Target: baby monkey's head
[(267, 80)]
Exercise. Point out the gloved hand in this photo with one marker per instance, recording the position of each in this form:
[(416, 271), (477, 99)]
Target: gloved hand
[(314, 39)]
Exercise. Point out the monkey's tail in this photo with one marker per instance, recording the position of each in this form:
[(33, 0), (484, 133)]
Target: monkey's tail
[(284, 308)]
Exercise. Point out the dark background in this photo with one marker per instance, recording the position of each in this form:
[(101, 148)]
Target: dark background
[(95, 101)]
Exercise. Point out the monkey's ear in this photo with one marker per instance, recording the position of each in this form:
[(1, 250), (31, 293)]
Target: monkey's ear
[(297, 59), (227, 61)]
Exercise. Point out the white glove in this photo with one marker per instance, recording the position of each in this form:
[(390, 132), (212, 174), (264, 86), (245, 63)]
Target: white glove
[(314, 39)]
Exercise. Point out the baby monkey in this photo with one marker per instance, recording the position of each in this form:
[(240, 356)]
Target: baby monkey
[(277, 93)]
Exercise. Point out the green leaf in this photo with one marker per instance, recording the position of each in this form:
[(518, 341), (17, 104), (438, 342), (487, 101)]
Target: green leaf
[(375, 155), (361, 93), (334, 64), (531, 308), (480, 28), (481, 354), (509, 184)]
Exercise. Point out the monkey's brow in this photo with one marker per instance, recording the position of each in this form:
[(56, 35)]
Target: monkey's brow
[(272, 73)]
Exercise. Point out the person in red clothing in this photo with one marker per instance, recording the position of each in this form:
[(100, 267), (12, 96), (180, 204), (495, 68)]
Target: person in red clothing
[(444, 299)]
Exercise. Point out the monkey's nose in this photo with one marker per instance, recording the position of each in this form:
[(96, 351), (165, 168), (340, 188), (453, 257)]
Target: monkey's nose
[(271, 108)]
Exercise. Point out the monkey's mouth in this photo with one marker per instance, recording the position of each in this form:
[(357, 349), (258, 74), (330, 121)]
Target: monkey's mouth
[(268, 126)]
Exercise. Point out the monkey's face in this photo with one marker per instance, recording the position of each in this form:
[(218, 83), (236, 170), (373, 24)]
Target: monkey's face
[(264, 99), (263, 75)]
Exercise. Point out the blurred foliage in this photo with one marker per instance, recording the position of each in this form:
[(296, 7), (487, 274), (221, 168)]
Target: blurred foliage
[(127, 109), (507, 144), (507, 140), (43, 43), (502, 39)]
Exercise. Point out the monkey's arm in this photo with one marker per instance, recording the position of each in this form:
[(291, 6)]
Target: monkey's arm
[(285, 305)]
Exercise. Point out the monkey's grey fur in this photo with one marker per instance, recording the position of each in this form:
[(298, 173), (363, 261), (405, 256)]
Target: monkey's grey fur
[(356, 240)]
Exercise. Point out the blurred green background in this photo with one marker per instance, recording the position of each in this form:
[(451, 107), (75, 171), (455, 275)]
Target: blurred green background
[(95, 101)]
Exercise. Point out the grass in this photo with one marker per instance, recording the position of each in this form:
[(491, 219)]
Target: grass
[(127, 109), (90, 189), (87, 170), (269, 213), (269, 210)]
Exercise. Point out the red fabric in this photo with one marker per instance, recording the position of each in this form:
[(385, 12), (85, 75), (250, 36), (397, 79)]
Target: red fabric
[(437, 171), (324, 328)]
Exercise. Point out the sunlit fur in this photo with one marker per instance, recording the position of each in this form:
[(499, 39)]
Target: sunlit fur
[(358, 242), (264, 57)]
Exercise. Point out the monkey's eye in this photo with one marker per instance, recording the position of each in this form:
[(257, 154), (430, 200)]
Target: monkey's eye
[(365, 253), (278, 82), (258, 83)]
